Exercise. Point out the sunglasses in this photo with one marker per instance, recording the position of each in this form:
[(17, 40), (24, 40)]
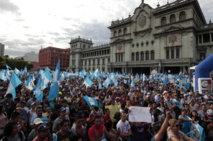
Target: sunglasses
[(177, 125)]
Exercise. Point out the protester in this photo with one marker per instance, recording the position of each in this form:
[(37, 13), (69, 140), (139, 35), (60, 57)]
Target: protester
[(56, 123), (12, 133), (97, 131), (37, 122), (42, 133), (174, 133), (151, 92), (3, 120), (124, 128)]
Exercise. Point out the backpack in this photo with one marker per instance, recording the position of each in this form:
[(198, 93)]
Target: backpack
[(19, 134)]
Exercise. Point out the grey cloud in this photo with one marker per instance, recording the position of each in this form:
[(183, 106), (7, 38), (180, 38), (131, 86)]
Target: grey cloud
[(98, 32), (29, 35), (7, 6), (18, 47), (54, 33)]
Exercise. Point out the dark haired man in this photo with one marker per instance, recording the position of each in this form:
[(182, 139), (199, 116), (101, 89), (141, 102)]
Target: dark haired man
[(97, 131)]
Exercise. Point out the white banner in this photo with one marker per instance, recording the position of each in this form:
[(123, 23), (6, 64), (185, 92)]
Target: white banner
[(140, 114)]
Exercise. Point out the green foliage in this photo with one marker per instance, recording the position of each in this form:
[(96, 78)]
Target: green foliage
[(14, 63)]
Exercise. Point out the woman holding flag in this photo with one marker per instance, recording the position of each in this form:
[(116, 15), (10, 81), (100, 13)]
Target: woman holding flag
[(174, 133)]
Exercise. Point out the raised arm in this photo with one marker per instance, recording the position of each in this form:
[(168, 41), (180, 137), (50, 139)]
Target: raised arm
[(163, 128)]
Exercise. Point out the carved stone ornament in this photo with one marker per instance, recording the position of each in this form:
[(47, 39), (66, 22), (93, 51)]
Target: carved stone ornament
[(142, 21), (119, 47), (172, 39)]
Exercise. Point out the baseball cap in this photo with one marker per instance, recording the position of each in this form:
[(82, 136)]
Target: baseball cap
[(42, 127), (62, 109), (37, 121)]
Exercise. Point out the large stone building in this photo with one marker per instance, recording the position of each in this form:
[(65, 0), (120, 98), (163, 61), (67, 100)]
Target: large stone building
[(2, 49), (171, 38)]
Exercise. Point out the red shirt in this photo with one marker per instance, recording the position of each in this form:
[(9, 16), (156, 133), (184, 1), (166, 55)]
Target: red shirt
[(96, 133), (106, 118)]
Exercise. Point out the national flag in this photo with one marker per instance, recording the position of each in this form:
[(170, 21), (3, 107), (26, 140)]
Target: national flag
[(87, 82), (29, 83), (196, 132), (14, 82), (2, 75), (17, 71), (8, 67), (106, 82), (39, 93), (132, 83), (54, 88), (91, 101), (99, 86)]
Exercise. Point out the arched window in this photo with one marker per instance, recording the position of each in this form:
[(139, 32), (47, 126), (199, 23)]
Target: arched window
[(182, 16), (147, 55), (115, 33), (125, 30), (163, 21), (142, 55), (172, 18), (152, 55), (133, 56), (119, 32), (137, 56)]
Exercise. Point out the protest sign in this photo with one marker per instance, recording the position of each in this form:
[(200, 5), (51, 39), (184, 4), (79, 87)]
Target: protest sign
[(204, 85), (140, 114)]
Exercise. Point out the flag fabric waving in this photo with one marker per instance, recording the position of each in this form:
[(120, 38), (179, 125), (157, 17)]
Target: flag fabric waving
[(14, 82), (91, 101), (54, 88)]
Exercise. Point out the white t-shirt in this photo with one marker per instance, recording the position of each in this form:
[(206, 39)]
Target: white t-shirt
[(123, 126)]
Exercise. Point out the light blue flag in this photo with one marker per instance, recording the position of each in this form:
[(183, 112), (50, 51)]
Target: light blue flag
[(29, 83), (88, 82), (186, 125), (7, 74), (106, 82), (2, 76), (46, 77), (8, 67), (99, 86), (39, 93), (14, 82), (39, 83), (54, 88), (180, 85), (196, 132), (132, 83), (91, 101), (25, 69), (17, 71)]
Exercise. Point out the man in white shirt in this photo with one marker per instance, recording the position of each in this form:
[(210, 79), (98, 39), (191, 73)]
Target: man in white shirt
[(124, 128)]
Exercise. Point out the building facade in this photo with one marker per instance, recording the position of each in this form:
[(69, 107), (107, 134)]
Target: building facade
[(2, 46), (168, 38), (29, 57), (48, 57), (88, 57)]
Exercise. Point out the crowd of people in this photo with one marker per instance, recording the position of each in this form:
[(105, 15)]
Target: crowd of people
[(69, 118)]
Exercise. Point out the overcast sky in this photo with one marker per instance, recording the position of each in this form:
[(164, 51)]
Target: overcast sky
[(28, 25)]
